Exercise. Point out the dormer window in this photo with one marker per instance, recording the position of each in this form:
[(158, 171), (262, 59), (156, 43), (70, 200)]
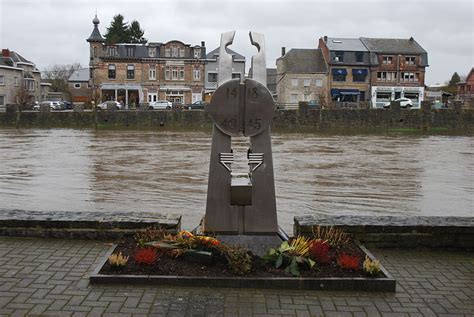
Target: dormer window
[(130, 51), (174, 51), (339, 56), (181, 52), (410, 60), (359, 57), (111, 51), (152, 51), (387, 60), (197, 53)]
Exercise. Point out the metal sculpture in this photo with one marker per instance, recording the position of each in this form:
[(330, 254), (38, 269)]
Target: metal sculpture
[(241, 203)]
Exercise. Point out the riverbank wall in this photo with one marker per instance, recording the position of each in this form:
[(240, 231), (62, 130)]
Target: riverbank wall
[(454, 120)]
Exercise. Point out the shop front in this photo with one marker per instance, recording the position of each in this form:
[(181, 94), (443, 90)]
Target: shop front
[(381, 95), (180, 94), (130, 95), (347, 97)]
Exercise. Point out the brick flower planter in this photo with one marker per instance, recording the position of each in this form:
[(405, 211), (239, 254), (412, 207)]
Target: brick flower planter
[(380, 284)]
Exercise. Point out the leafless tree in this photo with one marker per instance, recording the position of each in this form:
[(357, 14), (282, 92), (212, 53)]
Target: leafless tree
[(22, 98), (58, 76)]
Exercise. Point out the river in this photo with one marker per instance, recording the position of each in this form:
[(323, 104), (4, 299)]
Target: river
[(166, 172)]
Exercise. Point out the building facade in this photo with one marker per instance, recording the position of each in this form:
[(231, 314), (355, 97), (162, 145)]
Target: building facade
[(138, 73), (348, 70), (301, 76), (397, 70), (19, 76), (272, 82), (79, 86), (212, 69), (466, 87)]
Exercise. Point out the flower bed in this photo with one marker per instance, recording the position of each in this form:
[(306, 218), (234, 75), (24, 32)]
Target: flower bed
[(328, 260)]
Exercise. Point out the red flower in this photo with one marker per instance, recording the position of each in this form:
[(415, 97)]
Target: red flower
[(319, 250), (145, 256), (347, 261)]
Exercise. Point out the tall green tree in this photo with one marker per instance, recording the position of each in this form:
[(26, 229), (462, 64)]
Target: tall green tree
[(454, 79), (118, 31), (136, 33)]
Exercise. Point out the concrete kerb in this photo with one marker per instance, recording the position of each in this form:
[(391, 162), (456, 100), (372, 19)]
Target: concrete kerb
[(396, 231), (82, 225)]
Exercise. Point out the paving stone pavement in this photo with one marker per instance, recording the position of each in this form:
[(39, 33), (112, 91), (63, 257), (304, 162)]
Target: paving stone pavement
[(49, 277)]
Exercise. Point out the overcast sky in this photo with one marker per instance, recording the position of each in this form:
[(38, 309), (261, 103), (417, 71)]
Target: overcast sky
[(51, 32)]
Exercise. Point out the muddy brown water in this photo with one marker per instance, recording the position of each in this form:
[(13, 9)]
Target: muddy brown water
[(84, 170)]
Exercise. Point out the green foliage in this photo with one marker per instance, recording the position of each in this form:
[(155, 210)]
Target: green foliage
[(136, 33), (120, 32), (285, 255), (454, 79)]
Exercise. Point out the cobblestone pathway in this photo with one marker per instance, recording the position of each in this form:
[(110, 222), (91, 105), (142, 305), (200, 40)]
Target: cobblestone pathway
[(48, 277)]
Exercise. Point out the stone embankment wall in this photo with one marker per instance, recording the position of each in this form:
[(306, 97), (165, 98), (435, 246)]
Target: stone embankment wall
[(360, 120)]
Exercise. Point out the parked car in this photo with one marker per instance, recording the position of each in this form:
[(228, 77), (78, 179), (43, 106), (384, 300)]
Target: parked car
[(53, 105), (160, 105), (196, 105), (314, 104), (106, 104), (439, 105), (67, 104), (404, 103)]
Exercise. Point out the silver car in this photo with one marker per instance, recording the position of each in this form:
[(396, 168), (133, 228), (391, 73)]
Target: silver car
[(105, 105), (53, 105), (160, 105)]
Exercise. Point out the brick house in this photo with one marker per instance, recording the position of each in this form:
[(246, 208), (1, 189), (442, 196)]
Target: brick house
[(301, 76), (348, 74), (79, 86), (466, 87), (16, 72), (137, 73), (397, 70)]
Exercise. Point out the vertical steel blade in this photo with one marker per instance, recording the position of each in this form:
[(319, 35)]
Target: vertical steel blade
[(225, 60), (259, 63)]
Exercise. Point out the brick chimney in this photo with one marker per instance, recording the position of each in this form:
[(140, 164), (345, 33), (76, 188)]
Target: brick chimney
[(5, 52), (283, 51), (325, 39)]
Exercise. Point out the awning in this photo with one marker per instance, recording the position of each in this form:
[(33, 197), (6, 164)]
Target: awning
[(349, 92), (339, 71), (337, 92), (174, 88), (359, 71), (120, 86)]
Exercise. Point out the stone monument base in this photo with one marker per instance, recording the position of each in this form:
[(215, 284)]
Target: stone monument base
[(258, 244)]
